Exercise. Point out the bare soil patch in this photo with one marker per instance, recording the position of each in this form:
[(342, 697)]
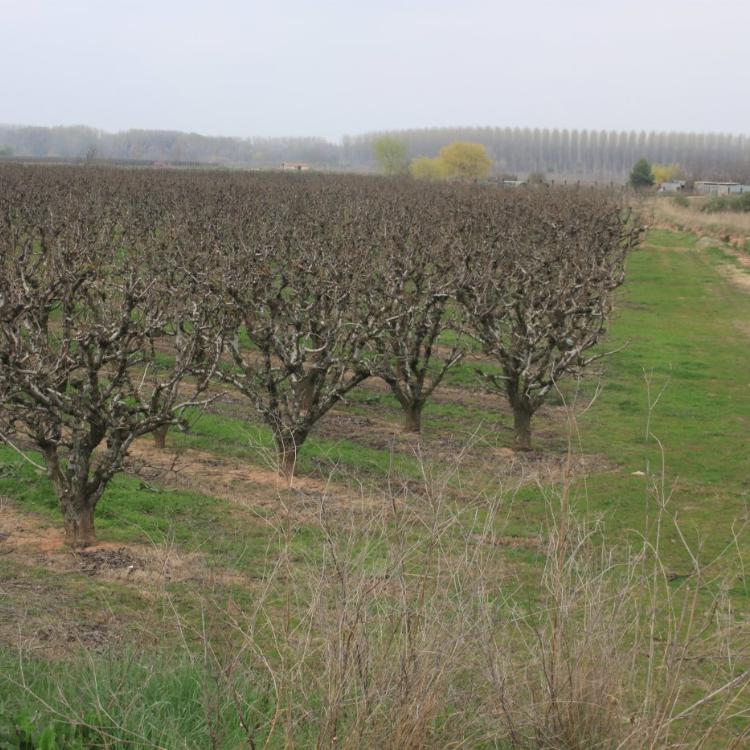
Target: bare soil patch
[(245, 484), (54, 600), (450, 447), (466, 396), (25, 536), (738, 276), (270, 497), (548, 468), (27, 532)]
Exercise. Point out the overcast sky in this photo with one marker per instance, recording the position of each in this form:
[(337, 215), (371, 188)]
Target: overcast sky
[(330, 67)]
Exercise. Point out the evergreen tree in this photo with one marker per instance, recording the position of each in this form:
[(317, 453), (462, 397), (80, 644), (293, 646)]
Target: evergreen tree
[(641, 175)]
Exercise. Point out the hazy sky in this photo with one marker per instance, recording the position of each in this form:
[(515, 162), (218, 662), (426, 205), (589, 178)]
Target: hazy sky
[(330, 67)]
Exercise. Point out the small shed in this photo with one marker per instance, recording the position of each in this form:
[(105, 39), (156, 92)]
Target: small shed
[(672, 186), (709, 187)]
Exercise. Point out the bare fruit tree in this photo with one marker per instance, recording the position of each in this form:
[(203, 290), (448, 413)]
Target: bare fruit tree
[(297, 314), (81, 313), (414, 281), (540, 272)]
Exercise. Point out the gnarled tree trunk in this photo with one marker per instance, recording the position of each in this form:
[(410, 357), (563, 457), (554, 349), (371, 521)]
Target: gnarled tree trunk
[(411, 404), (413, 416), (160, 436), (77, 493), (522, 414), (307, 388), (78, 519)]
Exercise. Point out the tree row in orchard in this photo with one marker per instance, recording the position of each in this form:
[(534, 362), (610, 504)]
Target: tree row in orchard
[(124, 295)]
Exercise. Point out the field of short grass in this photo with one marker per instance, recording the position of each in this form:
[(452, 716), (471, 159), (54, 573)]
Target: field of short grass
[(202, 545)]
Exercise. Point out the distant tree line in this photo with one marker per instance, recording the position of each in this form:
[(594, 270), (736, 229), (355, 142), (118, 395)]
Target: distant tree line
[(84, 143), (569, 153), (582, 154)]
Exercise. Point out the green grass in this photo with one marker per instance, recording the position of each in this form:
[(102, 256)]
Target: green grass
[(665, 238), (251, 441), (718, 256), (680, 322), (153, 702)]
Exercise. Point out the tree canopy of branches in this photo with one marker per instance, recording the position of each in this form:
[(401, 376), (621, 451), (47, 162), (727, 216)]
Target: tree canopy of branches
[(427, 169), (291, 270), (666, 172), (457, 161), (540, 271), (575, 154), (84, 303), (414, 283)]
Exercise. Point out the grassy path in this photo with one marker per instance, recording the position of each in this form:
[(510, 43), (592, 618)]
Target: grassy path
[(688, 352)]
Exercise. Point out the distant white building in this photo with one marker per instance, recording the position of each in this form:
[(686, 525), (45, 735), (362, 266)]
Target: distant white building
[(289, 166), (672, 186), (708, 187)]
